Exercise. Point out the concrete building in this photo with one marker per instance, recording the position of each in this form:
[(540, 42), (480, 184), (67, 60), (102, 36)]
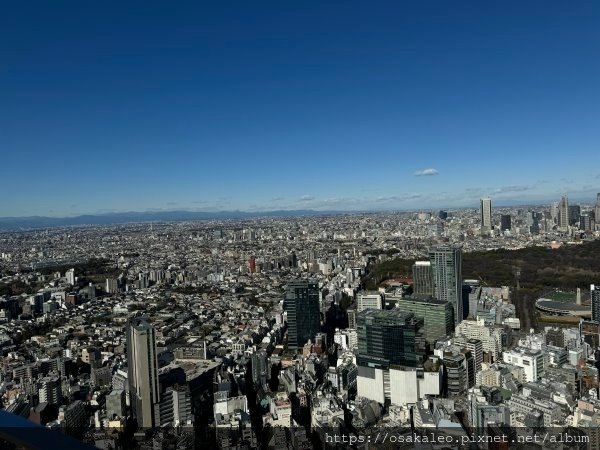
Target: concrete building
[(116, 404), (371, 300), (142, 375), (456, 372), (50, 390), (522, 405), (490, 336), (563, 214), (532, 362), (176, 406), (410, 385), (70, 276), (486, 215), (112, 286)]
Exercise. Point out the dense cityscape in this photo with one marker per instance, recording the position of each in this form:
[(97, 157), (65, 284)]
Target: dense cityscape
[(287, 225), (271, 332)]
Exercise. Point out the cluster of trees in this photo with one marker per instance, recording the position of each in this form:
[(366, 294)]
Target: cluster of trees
[(540, 268), (95, 270), (16, 288)]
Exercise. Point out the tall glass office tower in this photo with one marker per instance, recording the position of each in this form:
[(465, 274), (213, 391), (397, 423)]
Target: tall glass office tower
[(390, 337), (447, 277), (422, 278), (595, 293), (301, 304)]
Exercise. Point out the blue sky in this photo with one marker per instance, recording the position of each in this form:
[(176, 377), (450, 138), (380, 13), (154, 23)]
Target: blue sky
[(121, 106)]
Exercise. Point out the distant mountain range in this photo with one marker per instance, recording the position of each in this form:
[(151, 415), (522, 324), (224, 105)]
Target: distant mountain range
[(16, 223)]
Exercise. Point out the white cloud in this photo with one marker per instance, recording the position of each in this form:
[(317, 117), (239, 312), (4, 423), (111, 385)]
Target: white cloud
[(504, 189), (398, 198), (426, 172)]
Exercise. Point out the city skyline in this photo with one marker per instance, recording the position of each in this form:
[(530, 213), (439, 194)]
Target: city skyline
[(279, 106), (166, 214)]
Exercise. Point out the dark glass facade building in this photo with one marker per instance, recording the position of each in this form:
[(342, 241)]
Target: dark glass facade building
[(505, 222), (422, 278), (595, 294), (438, 317), (390, 337), (301, 304)]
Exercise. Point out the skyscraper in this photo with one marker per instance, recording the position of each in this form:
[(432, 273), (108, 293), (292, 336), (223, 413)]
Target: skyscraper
[(587, 222), (574, 214), (438, 317), (390, 337), (142, 366), (422, 278), (486, 215), (563, 214), (447, 277), (554, 212), (597, 211), (595, 291), (70, 276), (303, 316), (505, 222)]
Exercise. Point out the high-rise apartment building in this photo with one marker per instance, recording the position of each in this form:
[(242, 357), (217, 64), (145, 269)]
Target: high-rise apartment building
[(116, 404), (447, 277), (112, 286), (422, 278), (301, 304), (70, 276), (142, 366), (587, 222), (176, 406), (486, 215), (50, 389)]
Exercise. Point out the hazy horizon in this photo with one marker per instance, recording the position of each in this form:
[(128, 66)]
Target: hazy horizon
[(505, 205)]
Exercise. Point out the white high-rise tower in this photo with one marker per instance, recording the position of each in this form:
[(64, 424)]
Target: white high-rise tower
[(486, 215)]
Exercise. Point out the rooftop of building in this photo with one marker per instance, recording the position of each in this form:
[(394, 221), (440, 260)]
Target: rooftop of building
[(423, 298), (386, 314)]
